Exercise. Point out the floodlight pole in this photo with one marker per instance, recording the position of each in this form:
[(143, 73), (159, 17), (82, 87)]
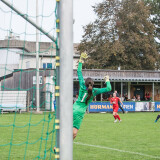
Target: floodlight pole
[(37, 59), (66, 79), (29, 20)]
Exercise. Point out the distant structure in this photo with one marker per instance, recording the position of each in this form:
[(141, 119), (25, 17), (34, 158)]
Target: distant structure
[(18, 55), (18, 67), (12, 36)]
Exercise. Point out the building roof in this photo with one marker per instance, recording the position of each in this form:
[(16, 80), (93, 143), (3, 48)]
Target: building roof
[(6, 76), (115, 75), (121, 75), (30, 47)]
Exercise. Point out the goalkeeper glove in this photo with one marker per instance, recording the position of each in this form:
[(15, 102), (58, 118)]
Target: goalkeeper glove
[(83, 56), (106, 78)]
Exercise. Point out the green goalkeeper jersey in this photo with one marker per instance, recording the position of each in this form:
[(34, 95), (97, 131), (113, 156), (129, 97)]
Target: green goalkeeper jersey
[(79, 107)]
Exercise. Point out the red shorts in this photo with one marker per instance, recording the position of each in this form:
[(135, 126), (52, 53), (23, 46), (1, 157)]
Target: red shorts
[(115, 109)]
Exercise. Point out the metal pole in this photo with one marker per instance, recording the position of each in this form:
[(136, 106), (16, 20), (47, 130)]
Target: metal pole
[(153, 91), (37, 59), (57, 83), (29, 20), (121, 90), (129, 90), (101, 94), (66, 79)]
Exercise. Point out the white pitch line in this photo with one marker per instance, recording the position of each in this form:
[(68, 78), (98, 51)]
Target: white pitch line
[(103, 147)]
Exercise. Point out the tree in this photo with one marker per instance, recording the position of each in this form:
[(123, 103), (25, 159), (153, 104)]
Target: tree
[(155, 16), (122, 35), (155, 19), (137, 35)]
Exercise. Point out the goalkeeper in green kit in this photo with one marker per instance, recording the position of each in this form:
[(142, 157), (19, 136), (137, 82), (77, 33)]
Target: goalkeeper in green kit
[(86, 95)]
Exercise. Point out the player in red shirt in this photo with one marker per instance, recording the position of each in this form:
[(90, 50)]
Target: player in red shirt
[(115, 101)]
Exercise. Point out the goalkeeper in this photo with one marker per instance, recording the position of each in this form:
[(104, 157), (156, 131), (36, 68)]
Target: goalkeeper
[(86, 95)]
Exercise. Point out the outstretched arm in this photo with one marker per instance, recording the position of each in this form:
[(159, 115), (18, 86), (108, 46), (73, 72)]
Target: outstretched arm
[(79, 70), (79, 73), (103, 90)]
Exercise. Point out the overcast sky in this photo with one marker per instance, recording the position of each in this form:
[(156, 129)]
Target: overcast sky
[(83, 14)]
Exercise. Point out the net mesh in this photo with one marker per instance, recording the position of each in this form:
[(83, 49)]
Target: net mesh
[(31, 134)]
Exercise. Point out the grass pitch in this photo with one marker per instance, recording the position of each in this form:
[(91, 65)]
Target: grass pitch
[(137, 137), (99, 138), (26, 136)]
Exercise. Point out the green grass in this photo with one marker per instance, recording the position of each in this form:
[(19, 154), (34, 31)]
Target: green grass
[(136, 133), (136, 138), (36, 135)]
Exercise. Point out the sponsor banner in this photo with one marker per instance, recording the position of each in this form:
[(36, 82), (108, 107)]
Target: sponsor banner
[(100, 107), (157, 106), (107, 107), (145, 106), (128, 106)]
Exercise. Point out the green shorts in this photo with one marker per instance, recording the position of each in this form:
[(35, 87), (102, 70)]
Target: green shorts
[(77, 119)]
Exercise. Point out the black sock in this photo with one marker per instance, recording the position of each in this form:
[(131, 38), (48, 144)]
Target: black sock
[(121, 108), (158, 117)]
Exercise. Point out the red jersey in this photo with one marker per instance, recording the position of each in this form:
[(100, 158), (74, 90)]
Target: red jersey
[(115, 101)]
